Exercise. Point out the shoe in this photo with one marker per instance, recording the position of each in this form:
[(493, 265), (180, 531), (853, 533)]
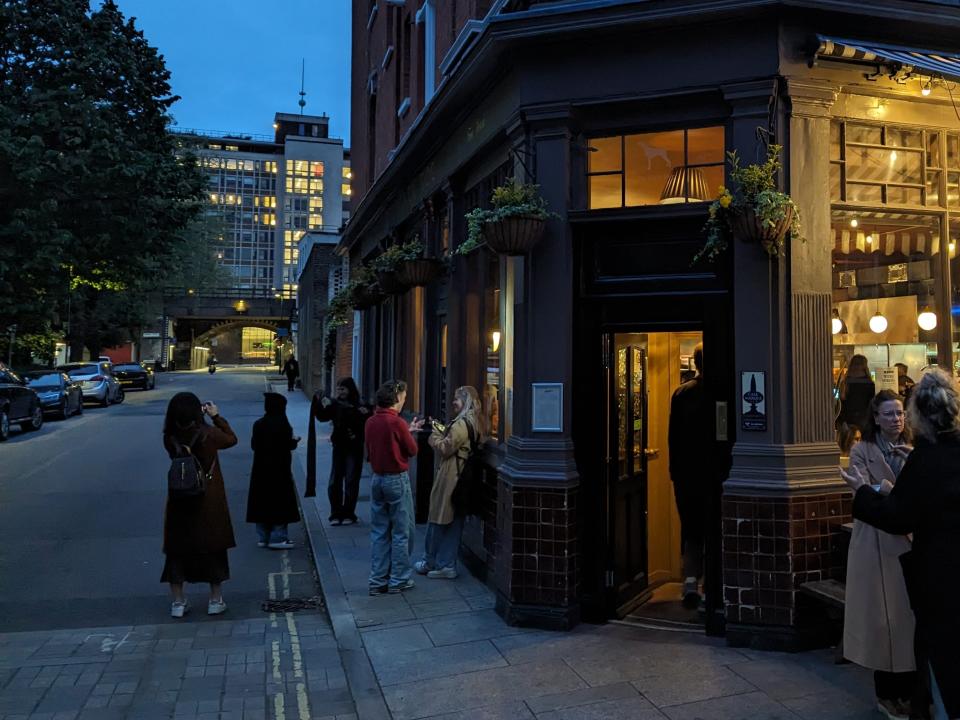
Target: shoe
[(421, 567), (261, 544), (407, 585), (178, 609), (216, 607), (378, 590), (447, 573), (350, 520), (336, 521), (691, 593), (282, 545), (891, 710)]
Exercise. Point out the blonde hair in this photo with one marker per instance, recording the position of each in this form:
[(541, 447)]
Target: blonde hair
[(934, 406), (472, 410)]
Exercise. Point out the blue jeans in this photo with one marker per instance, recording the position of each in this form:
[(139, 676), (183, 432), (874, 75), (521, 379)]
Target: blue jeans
[(272, 533), (391, 526), (939, 710), (442, 544)]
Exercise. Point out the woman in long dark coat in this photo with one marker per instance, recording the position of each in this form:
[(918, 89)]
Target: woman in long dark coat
[(272, 500), (197, 531)]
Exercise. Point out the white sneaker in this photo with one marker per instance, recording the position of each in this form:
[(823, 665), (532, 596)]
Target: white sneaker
[(421, 567), (283, 545), (261, 544), (447, 573), (216, 607), (178, 609)]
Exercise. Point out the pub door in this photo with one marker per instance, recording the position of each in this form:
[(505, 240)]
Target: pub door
[(625, 368)]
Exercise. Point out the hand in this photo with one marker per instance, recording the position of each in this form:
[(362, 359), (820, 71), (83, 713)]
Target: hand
[(854, 478), (363, 411), (210, 409), (903, 450), (416, 424), (325, 402)]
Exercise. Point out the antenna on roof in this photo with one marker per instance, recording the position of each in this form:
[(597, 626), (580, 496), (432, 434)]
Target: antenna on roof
[(302, 103)]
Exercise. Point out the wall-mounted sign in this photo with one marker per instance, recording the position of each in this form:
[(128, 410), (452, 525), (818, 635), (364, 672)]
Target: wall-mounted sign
[(887, 379), (753, 401), (547, 407)]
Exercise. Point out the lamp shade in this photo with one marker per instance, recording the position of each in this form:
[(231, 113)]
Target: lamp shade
[(878, 323), (685, 185)]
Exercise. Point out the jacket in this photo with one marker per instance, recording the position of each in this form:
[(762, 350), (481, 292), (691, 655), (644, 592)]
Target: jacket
[(452, 448), (272, 497), (878, 624), (389, 442), (690, 436), (926, 502), (855, 405), (201, 524)]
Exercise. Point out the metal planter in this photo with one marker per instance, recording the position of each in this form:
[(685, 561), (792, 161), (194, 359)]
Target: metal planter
[(516, 235)]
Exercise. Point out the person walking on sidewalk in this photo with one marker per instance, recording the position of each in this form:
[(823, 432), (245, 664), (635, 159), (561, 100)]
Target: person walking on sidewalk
[(291, 368), (272, 498), (453, 444), (390, 445), (197, 531), (348, 416)]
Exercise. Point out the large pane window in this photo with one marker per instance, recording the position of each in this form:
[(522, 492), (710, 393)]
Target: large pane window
[(493, 346), (676, 166)]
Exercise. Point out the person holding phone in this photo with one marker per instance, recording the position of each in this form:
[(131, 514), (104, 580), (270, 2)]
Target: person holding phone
[(878, 628)]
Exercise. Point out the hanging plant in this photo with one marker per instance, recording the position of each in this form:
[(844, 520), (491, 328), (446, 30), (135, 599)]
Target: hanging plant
[(752, 209), (513, 225), (363, 288), (340, 308)]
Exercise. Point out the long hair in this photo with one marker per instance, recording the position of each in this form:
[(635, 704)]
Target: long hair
[(184, 412), (353, 392), (934, 406), (472, 411), (872, 429), (858, 367)]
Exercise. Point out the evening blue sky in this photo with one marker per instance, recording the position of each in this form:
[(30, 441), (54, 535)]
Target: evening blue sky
[(235, 64)]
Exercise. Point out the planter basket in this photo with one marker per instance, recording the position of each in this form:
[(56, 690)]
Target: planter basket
[(514, 235), (747, 226), (389, 281), (367, 296), (420, 272)]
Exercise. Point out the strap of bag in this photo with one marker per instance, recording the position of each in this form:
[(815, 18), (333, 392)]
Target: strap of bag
[(189, 450)]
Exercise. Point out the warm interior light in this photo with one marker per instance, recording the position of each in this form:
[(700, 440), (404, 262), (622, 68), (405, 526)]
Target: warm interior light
[(869, 239), (925, 89), (836, 324), (878, 323), (952, 246), (854, 223), (927, 320), (495, 339)]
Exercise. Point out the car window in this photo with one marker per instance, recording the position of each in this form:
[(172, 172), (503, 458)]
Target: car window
[(82, 370), (45, 380)]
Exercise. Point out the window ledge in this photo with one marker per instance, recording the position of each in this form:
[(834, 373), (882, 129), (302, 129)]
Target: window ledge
[(387, 57), (404, 108)]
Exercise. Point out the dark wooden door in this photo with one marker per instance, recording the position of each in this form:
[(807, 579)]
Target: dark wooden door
[(626, 377)]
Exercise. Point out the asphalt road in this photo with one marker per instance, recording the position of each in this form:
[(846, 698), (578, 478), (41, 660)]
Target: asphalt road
[(81, 513)]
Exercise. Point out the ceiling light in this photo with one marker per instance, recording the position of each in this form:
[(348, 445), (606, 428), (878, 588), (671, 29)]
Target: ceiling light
[(854, 223), (869, 239), (878, 323), (927, 320), (836, 324), (925, 89)]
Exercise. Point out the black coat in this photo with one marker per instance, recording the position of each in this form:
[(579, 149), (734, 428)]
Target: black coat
[(272, 499), (291, 368), (926, 502), (855, 405)]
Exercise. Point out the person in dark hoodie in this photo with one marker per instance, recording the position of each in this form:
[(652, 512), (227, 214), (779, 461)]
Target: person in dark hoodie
[(272, 500), (349, 416)]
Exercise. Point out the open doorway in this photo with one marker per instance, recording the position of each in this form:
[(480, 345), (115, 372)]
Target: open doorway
[(646, 580)]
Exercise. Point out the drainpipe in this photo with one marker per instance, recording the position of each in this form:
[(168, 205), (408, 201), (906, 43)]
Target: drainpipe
[(427, 14)]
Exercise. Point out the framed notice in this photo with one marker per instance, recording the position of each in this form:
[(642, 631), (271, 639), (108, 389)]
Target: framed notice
[(887, 379), (753, 401), (547, 407)]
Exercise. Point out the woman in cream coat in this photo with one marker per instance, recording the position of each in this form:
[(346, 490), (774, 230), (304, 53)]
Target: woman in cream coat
[(452, 446), (878, 626)]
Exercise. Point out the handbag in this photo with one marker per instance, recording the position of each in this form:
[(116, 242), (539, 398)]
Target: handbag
[(186, 476), (467, 496)]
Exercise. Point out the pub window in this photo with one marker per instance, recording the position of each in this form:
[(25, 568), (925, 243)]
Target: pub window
[(659, 168), (492, 348)]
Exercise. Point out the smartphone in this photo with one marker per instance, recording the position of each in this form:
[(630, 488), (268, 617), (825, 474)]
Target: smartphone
[(438, 426)]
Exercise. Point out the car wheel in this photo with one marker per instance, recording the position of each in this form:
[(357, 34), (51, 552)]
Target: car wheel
[(79, 406), (119, 397), (62, 413), (106, 399), (4, 425), (35, 422)]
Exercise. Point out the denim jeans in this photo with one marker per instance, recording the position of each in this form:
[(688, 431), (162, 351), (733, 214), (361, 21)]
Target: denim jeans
[(442, 544), (939, 709), (391, 523), (272, 533)]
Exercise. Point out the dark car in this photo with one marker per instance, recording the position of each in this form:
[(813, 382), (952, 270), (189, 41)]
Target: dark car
[(58, 394), (18, 404), (135, 375)]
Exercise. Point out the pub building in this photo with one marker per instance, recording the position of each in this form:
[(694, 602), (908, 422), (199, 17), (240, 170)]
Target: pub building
[(622, 112)]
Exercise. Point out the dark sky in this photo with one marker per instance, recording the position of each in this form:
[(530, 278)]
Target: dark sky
[(237, 63)]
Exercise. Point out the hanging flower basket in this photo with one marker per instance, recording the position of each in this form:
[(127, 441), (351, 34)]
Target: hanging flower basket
[(514, 235), (366, 296), (746, 226), (389, 281), (420, 272)]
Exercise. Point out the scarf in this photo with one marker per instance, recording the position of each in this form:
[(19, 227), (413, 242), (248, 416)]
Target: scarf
[(893, 459)]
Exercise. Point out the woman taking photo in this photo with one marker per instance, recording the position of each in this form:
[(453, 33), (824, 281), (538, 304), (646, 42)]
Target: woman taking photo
[(196, 529), (453, 445), (925, 501), (878, 623)]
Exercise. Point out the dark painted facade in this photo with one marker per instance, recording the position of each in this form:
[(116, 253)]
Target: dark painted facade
[(526, 93)]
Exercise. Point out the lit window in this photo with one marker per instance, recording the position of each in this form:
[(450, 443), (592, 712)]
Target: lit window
[(345, 189), (316, 221), (316, 186), (215, 147), (316, 169), (232, 148), (346, 173), (316, 203)]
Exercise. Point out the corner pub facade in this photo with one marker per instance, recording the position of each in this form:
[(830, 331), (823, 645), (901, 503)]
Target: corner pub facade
[(577, 347)]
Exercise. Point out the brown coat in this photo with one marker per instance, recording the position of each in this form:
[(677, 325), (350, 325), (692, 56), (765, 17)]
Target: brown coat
[(453, 448), (195, 525), (878, 624)]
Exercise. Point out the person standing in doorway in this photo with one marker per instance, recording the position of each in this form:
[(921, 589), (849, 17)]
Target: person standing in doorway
[(690, 440), (291, 368), (272, 498), (390, 445)]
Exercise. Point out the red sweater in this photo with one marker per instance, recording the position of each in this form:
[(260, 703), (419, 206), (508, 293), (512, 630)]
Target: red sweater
[(389, 442)]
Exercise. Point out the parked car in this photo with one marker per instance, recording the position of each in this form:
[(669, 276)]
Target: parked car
[(18, 404), (135, 375), (58, 393), (98, 382)]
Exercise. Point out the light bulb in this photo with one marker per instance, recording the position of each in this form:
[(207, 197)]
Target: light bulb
[(495, 338), (854, 223), (893, 157), (927, 320), (925, 89), (952, 246), (869, 239), (878, 323), (836, 325)]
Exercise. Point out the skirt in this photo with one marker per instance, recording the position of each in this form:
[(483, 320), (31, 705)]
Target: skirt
[(196, 568)]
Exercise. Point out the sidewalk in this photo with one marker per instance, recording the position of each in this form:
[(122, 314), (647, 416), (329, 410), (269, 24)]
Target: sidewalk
[(440, 651)]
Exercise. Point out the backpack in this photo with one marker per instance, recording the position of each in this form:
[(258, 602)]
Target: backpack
[(186, 476), (467, 497)]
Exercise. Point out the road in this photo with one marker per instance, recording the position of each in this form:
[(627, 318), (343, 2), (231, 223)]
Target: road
[(81, 508)]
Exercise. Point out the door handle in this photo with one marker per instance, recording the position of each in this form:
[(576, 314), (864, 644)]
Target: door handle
[(651, 453)]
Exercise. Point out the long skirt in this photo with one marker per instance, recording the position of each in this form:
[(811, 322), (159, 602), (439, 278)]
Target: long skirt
[(210, 567)]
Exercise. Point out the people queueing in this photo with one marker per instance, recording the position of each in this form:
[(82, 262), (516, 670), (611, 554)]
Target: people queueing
[(453, 444), (856, 392), (348, 415), (390, 445), (925, 501), (291, 368), (272, 497), (878, 625), (690, 437), (197, 531)]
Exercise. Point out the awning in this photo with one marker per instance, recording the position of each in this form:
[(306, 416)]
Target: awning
[(906, 59)]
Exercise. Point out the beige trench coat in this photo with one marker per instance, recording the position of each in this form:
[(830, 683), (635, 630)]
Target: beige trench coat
[(878, 624), (452, 448)]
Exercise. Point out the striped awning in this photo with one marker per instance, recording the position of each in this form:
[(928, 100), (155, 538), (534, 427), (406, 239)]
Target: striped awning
[(924, 62)]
